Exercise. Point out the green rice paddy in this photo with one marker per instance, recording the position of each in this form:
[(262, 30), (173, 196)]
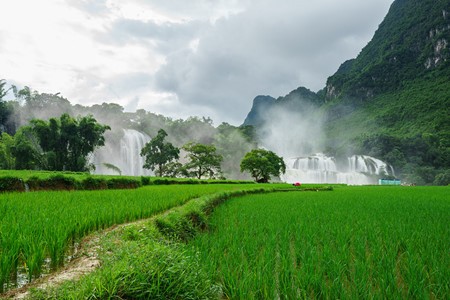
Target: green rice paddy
[(353, 243), (38, 229)]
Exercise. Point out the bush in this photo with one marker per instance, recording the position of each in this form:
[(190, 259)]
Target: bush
[(123, 183), (11, 184), (145, 180), (442, 178), (92, 183), (54, 183)]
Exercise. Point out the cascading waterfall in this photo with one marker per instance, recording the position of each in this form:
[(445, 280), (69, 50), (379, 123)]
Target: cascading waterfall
[(319, 168), (125, 154)]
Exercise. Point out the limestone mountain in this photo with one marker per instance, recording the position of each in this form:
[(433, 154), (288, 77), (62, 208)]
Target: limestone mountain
[(393, 100)]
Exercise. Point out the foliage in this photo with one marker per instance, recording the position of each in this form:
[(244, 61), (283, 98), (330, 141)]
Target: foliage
[(262, 164), (94, 183), (11, 184), (232, 143), (203, 160), (5, 110), (7, 159), (113, 167), (399, 51), (66, 142), (418, 158), (123, 183), (55, 182), (442, 178), (27, 151), (159, 154)]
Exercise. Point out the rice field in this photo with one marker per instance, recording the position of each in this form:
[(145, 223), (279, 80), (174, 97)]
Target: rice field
[(353, 243), (37, 230)]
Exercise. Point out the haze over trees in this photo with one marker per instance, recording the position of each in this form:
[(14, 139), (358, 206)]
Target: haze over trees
[(59, 144), (392, 101), (230, 141)]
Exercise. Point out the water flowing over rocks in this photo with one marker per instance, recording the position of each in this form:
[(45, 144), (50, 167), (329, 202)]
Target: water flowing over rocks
[(319, 168), (124, 154)]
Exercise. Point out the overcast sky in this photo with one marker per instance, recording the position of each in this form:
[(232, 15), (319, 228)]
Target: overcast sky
[(177, 57)]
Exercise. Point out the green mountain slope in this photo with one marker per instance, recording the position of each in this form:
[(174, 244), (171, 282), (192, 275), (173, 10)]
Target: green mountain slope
[(393, 100)]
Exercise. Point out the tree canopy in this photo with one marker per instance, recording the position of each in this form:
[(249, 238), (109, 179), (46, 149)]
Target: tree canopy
[(66, 142), (262, 164), (159, 154), (203, 160)]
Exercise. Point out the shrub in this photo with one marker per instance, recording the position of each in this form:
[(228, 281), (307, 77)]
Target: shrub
[(145, 180), (10, 184), (92, 183), (54, 183), (123, 183)]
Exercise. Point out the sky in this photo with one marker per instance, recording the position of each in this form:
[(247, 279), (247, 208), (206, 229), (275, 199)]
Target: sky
[(181, 58)]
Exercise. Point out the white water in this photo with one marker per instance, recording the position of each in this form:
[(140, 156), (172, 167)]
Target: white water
[(125, 155), (319, 168)]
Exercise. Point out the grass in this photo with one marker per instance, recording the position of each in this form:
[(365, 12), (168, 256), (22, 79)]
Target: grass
[(37, 229), (27, 174), (142, 261), (354, 243)]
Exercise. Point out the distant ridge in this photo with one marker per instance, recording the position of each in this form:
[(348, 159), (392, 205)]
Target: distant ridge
[(393, 100)]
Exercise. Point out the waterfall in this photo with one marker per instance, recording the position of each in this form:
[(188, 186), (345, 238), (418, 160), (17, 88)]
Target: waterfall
[(319, 168), (124, 154)]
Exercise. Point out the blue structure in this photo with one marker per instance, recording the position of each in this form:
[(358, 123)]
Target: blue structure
[(389, 182)]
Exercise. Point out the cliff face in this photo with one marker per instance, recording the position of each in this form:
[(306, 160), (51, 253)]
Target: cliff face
[(393, 100), (298, 100), (411, 42)]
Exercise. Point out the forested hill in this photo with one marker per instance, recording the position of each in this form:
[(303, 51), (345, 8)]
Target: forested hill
[(393, 100)]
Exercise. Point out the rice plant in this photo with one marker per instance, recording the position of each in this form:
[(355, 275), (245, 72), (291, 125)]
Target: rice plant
[(353, 243), (37, 229)]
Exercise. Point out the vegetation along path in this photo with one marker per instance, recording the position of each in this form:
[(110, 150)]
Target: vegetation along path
[(77, 214)]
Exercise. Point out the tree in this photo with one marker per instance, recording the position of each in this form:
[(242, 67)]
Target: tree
[(27, 151), (203, 160), (7, 160), (5, 109), (159, 154), (262, 164), (66, 142)]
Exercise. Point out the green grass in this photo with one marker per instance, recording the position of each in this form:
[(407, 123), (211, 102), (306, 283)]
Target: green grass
[(37, 229), (144, 261), (353, 243), (27, 174)]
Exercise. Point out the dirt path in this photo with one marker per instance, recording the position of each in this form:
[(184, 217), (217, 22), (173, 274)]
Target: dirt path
[(84, 263)]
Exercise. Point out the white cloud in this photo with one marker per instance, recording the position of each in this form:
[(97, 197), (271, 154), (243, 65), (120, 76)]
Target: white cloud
[(181, 58)]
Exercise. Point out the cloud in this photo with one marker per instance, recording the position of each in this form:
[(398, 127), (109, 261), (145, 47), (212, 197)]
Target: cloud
[(181, 58), (269, 48)]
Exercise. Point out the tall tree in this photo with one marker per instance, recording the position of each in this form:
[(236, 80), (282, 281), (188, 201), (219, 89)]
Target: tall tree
[(27, 151), (67, 141), (262, 164), (5, 110), (159, 154), (203, 160), (7, 160)]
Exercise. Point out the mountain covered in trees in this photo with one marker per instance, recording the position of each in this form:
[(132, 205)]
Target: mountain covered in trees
[(393, 100)]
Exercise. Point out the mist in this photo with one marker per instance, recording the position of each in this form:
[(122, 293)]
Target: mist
[(292, 132)]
